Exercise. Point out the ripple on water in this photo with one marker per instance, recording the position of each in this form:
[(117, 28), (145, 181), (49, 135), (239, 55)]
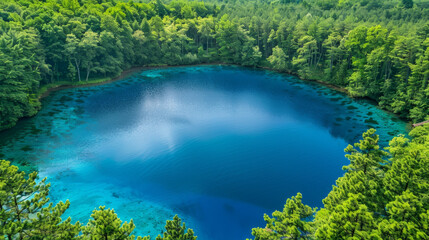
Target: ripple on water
[(220, 146)]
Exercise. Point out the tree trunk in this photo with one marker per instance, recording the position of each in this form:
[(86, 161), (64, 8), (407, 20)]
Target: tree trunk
[(88, 70), (77, 68)]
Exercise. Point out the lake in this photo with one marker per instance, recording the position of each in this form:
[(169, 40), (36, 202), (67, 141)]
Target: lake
[(217, 145)]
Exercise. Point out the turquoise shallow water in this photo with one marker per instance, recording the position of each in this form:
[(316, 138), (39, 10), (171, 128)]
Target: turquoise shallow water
[(218, 145)]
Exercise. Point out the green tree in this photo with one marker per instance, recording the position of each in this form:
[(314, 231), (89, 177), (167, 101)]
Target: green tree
[(349, 220), (292, 222), (24, 209), (74, 52), (106, 225), (406, 219), (176, 230), (89, 46), (19, 76), (205, 28), (278, 59), (25, 213), (408, 3), (369, 157)]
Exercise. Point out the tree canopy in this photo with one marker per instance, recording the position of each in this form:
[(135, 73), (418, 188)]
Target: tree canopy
[(27, 213), (375, 49), (383, 195)]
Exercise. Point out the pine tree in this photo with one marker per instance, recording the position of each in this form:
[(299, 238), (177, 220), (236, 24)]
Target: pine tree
[(291, 223), (408, 3), (406, 218), (106, 225), (175, 230), (366, 156), (350, 220), (23, 210)]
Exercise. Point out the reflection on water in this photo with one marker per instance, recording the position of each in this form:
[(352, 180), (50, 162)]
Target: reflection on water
[(217, 145)]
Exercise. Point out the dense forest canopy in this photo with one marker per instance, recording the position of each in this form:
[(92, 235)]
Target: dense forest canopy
[(377, 49)]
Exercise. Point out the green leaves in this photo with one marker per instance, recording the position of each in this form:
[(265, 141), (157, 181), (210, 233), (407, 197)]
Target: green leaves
[(278, 59), (342, 42), (19, 75), (23, 212), (375, 199), (175, 230), (290, 223), (406, 218), (349, 220), (106, 225), (368, 158), (383, 194), (26, 213)]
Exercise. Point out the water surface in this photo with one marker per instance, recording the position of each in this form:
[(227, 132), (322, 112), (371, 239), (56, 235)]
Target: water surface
[(217, 145)]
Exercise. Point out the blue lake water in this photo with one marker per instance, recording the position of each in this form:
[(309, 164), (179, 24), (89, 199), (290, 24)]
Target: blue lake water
[(217, 145)]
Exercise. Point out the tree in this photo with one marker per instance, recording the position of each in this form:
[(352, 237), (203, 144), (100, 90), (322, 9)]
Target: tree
[(73, 51), (369, 157), (307, 55), (406, 219), (350, 220), (205, 28), (71, 5), (19, 76), (106, 225), (329, 40), (291, 223), (408, 3), (278, 59), (406, 171), (24, 213), (89, 46), (251, 55), (175, 230), (230, 37)]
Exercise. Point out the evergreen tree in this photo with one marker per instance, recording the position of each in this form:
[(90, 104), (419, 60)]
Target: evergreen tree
[(175, 230), (24, 209), (292, 223), (408, 3), (106, 225)]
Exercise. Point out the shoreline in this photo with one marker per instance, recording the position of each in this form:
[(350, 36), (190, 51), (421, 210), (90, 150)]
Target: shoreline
[(132, 70), (124, 74), (128, 72)]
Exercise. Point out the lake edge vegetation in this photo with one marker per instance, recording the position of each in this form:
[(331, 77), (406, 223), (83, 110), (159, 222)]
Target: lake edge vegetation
[(375, 49), (382, 195), (27, 213)]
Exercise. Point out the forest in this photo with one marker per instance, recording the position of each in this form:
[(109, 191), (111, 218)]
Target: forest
[(382, 195), (375, 49)]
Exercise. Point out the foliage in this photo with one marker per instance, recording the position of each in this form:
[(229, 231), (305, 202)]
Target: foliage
[(375, 49), (27, 213), (24, 209), (375, 199), (291, 223), (177, 231)]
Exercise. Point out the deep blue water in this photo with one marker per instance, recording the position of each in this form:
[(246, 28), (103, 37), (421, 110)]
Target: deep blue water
[(218, 145)]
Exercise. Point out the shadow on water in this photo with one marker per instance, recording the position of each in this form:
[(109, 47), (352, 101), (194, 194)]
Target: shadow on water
[(218, 145)]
